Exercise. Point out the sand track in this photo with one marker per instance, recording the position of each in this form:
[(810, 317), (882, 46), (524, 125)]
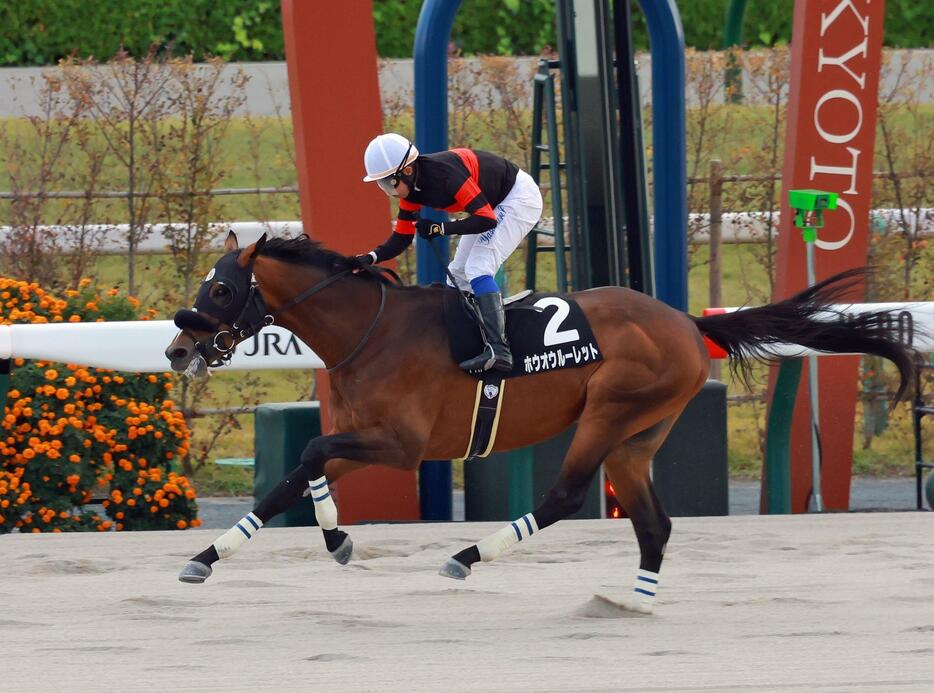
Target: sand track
[(805, 603)]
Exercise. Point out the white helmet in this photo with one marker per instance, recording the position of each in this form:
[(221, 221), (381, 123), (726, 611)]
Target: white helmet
[(387, 154)]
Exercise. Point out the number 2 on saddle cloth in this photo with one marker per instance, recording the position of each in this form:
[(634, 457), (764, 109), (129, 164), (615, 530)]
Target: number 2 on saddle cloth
[(546, 332)]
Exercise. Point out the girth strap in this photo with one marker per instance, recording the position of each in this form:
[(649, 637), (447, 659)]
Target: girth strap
[(486, 412)]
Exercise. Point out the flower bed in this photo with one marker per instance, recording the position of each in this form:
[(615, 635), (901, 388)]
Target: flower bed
[(70, 434)]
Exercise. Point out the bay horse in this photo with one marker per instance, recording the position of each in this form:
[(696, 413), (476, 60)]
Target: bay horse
[(397, 396)]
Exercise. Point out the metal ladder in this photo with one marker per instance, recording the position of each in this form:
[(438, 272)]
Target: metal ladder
[(543, 107)]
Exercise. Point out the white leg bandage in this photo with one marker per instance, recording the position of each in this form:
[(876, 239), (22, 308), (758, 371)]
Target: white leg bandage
[(234, 537), (645, 588), (325, 510), (514, 532)]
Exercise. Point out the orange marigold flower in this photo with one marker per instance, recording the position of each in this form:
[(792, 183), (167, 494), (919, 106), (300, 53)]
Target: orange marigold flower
[(29, 453), (181, 524), (51, 374), (74, 318), (196, 522), (72, 479), (61, 393), (74, 458)]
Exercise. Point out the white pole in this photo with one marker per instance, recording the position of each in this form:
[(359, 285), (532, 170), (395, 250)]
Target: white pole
[(814, 397)]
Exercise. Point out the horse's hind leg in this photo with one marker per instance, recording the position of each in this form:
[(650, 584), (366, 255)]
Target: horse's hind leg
[(628, 470), (590, 445)]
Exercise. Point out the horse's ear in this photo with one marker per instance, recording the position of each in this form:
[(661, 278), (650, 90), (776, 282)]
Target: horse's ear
[(251, 251), (231, 242)]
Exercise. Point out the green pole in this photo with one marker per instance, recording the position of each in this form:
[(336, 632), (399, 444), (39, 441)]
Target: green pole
[(733, 36), (808, 206), (778, 438), (521, 500)]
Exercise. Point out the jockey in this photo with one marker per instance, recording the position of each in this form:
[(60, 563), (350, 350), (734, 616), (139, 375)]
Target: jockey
[(502, 203)]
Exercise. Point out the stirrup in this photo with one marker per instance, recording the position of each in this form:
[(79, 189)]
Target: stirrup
[(492, 362), (477, 364)]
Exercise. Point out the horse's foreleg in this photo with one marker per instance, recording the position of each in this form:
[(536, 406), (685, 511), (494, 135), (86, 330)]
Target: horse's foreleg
[(307, 478), (359, 447), (283, 496), (565, 498)]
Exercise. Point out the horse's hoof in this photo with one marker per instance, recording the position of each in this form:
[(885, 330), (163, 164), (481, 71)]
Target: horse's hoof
[(453, 568), (195, 572), (343, 552)]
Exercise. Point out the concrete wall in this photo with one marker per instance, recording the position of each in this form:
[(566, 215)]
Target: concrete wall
[(267, 90)]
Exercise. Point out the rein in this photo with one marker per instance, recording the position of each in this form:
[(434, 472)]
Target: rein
[(308, 293), (246, 326), (366, 335)]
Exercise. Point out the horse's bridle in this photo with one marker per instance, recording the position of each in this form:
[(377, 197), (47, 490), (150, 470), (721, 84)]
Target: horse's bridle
[(253, 316)]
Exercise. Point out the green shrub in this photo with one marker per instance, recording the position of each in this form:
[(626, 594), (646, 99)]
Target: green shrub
[(41, 32)]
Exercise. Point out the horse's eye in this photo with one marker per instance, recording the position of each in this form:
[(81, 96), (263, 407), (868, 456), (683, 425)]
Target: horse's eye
[(221, 295)]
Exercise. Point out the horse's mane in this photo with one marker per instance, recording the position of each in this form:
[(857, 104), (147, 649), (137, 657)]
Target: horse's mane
[(302, 250)]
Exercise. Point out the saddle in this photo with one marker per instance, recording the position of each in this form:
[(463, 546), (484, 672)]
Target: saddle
[(546, 332)]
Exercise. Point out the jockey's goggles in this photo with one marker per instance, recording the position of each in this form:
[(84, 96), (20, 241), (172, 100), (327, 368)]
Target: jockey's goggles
[(389, 184)]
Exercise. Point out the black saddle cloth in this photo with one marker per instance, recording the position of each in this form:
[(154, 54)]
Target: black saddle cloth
[(546, 332)]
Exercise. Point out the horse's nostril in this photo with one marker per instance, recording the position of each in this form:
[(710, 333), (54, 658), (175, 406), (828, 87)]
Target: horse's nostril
[(178, 353)]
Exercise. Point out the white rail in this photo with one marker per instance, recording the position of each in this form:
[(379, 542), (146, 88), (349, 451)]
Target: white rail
[(138, 346), (914, 322), (737, 227)]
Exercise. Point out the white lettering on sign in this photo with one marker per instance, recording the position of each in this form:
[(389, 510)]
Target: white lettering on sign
[(836, 245), (552, 335), (839, 129), (827, 19), (841, 61), (846, 96), (839, 170)]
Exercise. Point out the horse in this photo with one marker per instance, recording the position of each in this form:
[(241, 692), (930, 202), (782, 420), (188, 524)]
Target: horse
[(398, 397)]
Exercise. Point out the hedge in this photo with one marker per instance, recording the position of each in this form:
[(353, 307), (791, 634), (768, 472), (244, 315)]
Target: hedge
[(41, 32)]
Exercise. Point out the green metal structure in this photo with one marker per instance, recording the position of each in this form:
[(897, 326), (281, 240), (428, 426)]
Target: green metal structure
[(808, 207)]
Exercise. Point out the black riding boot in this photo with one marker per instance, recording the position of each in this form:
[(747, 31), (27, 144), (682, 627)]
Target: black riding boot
[(496, 354)]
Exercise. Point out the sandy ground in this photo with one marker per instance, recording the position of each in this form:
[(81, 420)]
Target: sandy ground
[(804, 603)]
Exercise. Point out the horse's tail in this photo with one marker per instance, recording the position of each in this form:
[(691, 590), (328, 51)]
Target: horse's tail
[(807, 320)]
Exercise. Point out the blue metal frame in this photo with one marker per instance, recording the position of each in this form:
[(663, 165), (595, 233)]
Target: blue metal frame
[(666, 40), (432, 34)]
